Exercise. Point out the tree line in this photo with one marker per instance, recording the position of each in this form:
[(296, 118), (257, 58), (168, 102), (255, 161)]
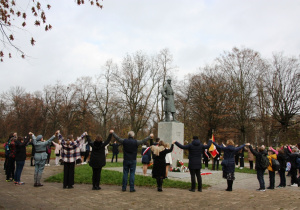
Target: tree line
[(240, 95)]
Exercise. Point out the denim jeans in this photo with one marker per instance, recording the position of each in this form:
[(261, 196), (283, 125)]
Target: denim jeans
[(260, 177), (128, 165), (19, 169)]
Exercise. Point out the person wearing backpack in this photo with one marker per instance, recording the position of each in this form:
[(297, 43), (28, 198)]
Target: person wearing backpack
[(293, 159), (271, 155), (261, 165), (281, 157)]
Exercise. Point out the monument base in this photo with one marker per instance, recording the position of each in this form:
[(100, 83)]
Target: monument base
[(169, 132)]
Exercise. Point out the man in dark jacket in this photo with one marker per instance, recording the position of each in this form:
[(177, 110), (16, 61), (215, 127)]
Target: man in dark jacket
[(259, 169), (115, 149), (195, 164), (130, 146)]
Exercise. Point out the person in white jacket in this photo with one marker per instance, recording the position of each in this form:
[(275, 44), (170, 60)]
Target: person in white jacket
[(168, 160), (83, 151), (57, 152)]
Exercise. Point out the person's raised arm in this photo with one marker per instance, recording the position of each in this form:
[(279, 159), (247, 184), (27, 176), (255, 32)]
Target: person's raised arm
[(53, 137), (81, 138), (253, 151), (108, 138), (33, 138), (89, 141), (116, 137), (182, 146), (139, 142), (171, 148), (239, 148), (275, 151), (208, 144), (220, 147)]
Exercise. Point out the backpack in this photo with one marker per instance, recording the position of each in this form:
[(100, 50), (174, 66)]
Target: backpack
[(288, 166), (298, 162), (275, 164), (264, 161), (6, 147)]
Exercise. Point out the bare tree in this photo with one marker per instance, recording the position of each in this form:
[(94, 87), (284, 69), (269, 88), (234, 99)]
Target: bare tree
[(103, 96), (241, 68), (284, 89), (136, 82)]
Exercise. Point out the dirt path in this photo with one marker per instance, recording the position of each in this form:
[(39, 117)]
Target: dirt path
[(53, 196)]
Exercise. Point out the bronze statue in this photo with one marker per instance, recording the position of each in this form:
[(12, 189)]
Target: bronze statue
[(169, 106)]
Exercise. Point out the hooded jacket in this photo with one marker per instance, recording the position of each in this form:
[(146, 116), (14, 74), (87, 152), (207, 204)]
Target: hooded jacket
[(40, 146), (195, 152)]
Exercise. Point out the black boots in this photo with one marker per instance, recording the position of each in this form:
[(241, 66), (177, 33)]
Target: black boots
[(159, 184), (229, 185)]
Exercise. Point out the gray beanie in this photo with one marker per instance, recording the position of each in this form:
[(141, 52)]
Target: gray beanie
[(39, 138)]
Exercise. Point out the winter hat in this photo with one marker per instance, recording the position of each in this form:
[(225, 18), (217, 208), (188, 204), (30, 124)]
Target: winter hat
[(39, 138)]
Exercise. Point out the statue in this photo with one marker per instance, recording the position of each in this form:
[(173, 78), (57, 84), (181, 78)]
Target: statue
[(169, 106)]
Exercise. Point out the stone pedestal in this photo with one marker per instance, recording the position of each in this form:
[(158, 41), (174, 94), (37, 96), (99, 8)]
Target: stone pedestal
[(169, 132)]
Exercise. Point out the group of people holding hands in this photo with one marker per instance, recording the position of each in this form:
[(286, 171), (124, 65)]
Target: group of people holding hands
[(69, 154)]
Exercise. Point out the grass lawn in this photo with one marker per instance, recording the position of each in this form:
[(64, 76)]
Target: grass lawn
[(83, 174)]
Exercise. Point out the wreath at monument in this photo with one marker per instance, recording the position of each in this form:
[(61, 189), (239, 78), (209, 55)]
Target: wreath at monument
[(180, 167)]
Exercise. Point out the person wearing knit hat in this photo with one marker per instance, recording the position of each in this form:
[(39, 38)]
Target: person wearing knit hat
[(40, 156)]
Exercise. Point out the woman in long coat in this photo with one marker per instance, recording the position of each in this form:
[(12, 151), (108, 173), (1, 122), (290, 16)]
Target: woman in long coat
[(159, 162), (98, 158), (228, 163)]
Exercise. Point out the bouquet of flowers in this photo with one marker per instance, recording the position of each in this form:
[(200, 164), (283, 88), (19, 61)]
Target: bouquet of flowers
[(180, 167)]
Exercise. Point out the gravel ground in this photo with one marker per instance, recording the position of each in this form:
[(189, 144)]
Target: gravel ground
[(53, 196)]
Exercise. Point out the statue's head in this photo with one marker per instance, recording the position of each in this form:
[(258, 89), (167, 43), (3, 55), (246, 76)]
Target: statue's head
[(169, 80)]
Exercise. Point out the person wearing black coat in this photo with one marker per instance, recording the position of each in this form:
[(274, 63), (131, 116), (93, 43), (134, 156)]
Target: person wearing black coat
[(195, 164), (159, 163), (98, 159), (20, 158), (259, 169), (281, 157), (228, 163), (293, 157), (115, 150)]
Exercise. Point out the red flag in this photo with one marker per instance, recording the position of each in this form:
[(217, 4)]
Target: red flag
[(212, 149)]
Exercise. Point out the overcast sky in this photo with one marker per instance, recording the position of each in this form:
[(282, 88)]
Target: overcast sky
[(83, 38)]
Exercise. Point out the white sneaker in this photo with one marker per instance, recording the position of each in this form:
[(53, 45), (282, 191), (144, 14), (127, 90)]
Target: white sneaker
[(241, 167), (294, 185), (84, 163)]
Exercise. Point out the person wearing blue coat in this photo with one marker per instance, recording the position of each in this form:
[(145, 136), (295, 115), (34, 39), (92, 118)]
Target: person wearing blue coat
[(196, 149), (146, 157), (40, 156), (228, 163)]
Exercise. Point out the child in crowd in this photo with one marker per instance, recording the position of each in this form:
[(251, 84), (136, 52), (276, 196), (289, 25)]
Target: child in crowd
[(57, 151), (271, 155), (168, 160)]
